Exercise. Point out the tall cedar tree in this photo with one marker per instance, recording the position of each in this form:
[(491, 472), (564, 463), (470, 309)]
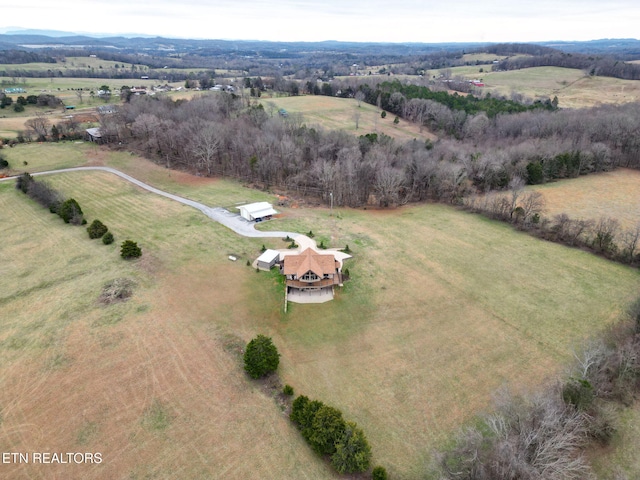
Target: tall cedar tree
[(261, 357)]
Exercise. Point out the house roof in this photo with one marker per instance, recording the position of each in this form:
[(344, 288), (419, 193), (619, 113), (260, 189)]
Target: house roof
[(258, 209), (94, 132), (309, 260), (269, 256)]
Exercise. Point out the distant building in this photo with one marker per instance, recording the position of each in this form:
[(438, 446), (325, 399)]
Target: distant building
[(107, 109), (94, 135)]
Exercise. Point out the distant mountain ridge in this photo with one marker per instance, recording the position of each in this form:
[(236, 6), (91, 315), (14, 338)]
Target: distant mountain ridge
[(33, 39)]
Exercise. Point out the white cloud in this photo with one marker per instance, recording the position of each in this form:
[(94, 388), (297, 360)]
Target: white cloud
[(311, 20)]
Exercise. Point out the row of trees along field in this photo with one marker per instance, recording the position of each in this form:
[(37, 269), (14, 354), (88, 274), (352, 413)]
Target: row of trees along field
[(221, 135)]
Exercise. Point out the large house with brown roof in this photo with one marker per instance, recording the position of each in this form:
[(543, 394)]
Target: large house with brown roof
[(311, 276)]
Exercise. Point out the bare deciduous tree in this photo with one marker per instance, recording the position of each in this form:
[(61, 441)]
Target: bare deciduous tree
[(205, 148), (629, 242), (39, 125)]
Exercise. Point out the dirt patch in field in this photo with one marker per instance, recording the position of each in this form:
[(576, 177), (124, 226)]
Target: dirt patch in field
[(162, 398)]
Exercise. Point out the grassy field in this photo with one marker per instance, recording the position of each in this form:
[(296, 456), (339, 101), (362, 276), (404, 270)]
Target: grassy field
[(339, 114), (611, 194), (411, 348), (621, 457), (571, 86)]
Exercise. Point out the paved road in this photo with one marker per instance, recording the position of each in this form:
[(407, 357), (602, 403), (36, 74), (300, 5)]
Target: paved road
[(229, 219)]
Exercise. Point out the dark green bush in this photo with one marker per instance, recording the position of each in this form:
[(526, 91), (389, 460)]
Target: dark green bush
[(379, 473), (97, 229), (578, 392), (328, 427), (261, 357), (352, 451), (23, 182), (130, 249), (3, 162), (107, 238), (288, 390), (70, 212)]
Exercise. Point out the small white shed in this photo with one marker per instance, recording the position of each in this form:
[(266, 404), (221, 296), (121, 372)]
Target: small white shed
[(255, 211), (268, 259)]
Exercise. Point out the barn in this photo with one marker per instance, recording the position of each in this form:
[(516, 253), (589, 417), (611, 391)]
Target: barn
[(257, 211), (268, 259)]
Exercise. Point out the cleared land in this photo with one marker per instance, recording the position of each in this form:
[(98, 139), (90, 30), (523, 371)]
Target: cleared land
[(611, 194), (573, 88), (339, 114), (444, 308)]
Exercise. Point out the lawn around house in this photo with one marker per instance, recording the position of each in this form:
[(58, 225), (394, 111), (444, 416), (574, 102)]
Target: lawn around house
[(444, 307)]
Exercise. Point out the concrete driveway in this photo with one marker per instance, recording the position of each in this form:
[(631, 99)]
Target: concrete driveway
[(229, 219)]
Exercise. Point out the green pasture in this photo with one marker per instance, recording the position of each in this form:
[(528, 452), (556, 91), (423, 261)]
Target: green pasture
[(443, 309)]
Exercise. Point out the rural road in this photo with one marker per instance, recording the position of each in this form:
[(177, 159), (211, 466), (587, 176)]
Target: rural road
[(230, 220)]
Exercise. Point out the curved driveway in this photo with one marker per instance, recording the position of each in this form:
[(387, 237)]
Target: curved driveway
[(231, 220)]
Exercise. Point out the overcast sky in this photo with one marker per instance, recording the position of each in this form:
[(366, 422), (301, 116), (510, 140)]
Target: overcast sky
[(348, 20)]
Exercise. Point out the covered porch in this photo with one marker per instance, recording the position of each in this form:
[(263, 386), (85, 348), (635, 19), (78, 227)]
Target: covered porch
[(309, 295)]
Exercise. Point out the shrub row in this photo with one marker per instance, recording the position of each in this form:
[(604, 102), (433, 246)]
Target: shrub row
[(523, 210), (69, 210), (326, 431)]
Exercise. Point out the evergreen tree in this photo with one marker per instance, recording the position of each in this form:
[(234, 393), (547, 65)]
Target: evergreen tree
[(130, 249), (261, 357), (353, 453)]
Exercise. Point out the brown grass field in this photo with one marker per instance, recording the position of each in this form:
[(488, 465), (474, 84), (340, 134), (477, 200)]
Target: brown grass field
[(613, 194), (338, 114), (443, 308), (573, 88)]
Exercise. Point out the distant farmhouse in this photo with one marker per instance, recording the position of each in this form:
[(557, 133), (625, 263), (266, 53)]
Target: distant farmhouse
[(257, 211), (107, 109)]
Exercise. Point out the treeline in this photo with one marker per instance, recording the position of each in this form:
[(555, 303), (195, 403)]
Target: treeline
[(469, 104), (603, 66), (524, 210), (545, 435), (69, 210), (220, 135), (506, 49), (106, 73), (393, 96), (12, 57)]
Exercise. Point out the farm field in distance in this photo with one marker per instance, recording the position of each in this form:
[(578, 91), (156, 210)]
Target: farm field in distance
[(573, 88), (614, 194), (411, 348), (338, 114)]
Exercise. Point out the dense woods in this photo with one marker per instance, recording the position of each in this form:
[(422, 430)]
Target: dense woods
[(220, 135)]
